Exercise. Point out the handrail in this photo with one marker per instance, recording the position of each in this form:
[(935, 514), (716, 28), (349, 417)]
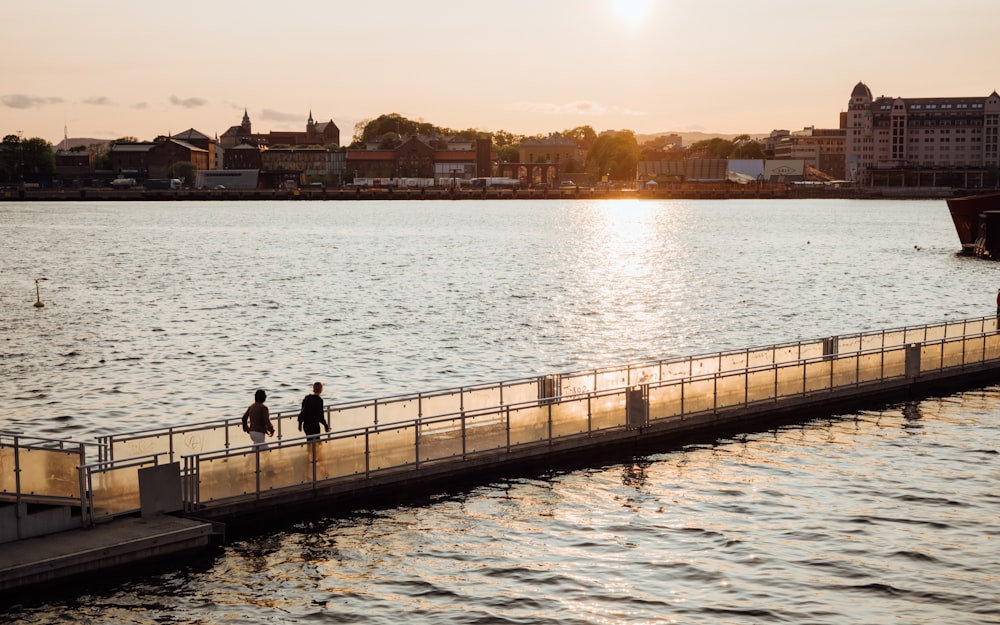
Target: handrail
[(721, 390), (576, 381)]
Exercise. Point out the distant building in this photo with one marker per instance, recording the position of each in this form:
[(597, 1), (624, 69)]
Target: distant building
[(242, 156), (820, 148), (74, 165), (199, 140), (153, 159), (300, 165), (415, 158), (554, 148), (922, 141), (316, 133)]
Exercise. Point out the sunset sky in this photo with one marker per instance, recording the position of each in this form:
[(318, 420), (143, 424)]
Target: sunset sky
[(105, 69)]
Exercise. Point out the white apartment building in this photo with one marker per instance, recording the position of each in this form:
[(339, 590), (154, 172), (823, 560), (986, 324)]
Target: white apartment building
[(921, 141)]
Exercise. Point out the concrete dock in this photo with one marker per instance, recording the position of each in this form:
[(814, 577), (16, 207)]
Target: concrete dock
[(121, 542)]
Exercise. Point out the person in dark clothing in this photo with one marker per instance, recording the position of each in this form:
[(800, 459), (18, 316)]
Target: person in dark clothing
[(312, 415)]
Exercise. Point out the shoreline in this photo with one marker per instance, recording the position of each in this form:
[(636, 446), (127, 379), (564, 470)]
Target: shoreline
[(678, 192)]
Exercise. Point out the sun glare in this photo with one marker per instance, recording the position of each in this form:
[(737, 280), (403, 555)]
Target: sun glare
[(631, 12)]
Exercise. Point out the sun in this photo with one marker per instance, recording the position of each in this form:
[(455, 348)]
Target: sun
[(631, 12)]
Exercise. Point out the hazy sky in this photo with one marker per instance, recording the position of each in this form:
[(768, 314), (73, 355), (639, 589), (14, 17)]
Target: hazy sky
[(106, 69)]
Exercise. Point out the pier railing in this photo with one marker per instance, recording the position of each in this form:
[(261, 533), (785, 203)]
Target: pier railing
[(228, 433), (254, 472), (526, 416)]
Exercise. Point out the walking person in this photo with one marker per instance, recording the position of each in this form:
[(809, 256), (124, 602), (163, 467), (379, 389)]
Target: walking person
[(312, 415), (257, 419)]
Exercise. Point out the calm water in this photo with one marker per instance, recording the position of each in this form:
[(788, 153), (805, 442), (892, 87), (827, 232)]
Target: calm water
[(163, 313)]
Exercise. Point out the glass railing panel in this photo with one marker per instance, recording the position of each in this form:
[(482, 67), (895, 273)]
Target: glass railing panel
[(954, 330), (208, 439), (224, 476), (704, 366), (607, 411), (845, 371), (762, 358), (434, 405), (665, 401), (810, 350), (730, 390), (615, 378), (786, 353), (952, 354), (934, 333), (281, 467), (394, 411), (353, 417), (395, 447), (894, 338), (441, 438), (790, 380), (569, 418), (520, 393), (894, 363), (576, 384), (115, 490), (8, 475), (699, 395), (480, 398), (992, 347), (914, 335), (340, 457), (486, 432), (140, 446), (529, 424), (676, 370), (44, 472), (644, 374), (871, 342), (870, 367), (930, 357), (818, 375), (733, 361), (848, 344), (760, 385)]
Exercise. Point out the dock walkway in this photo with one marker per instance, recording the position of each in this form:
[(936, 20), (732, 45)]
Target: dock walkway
[(207, 473)]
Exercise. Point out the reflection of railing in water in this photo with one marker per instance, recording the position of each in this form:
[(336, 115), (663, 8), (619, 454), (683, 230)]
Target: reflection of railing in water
[(217, 470), (226, 433)]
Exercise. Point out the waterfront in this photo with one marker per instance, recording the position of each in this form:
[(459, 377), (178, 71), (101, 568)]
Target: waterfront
[(176, 312)]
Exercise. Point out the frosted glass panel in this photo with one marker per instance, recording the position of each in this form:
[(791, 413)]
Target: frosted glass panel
[(570, 418)]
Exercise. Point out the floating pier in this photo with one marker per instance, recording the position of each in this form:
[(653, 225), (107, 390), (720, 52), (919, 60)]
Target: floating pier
[(206, 475)]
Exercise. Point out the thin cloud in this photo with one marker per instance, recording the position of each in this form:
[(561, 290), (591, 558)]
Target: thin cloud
[(580, 107), (188, 103), (22, 101), (98, 100), (278, 116), (140, 106)]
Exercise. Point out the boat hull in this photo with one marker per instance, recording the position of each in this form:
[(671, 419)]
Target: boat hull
[(967, 213)]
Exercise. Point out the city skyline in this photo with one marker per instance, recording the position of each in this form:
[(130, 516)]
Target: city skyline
[(108, 69)]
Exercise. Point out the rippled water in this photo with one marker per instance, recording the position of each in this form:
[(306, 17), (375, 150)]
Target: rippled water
[(158, 313)]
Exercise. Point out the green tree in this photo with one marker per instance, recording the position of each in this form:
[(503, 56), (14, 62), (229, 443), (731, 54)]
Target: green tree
[(614, 153), (28, 160), (185, 170), (583, 136)]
